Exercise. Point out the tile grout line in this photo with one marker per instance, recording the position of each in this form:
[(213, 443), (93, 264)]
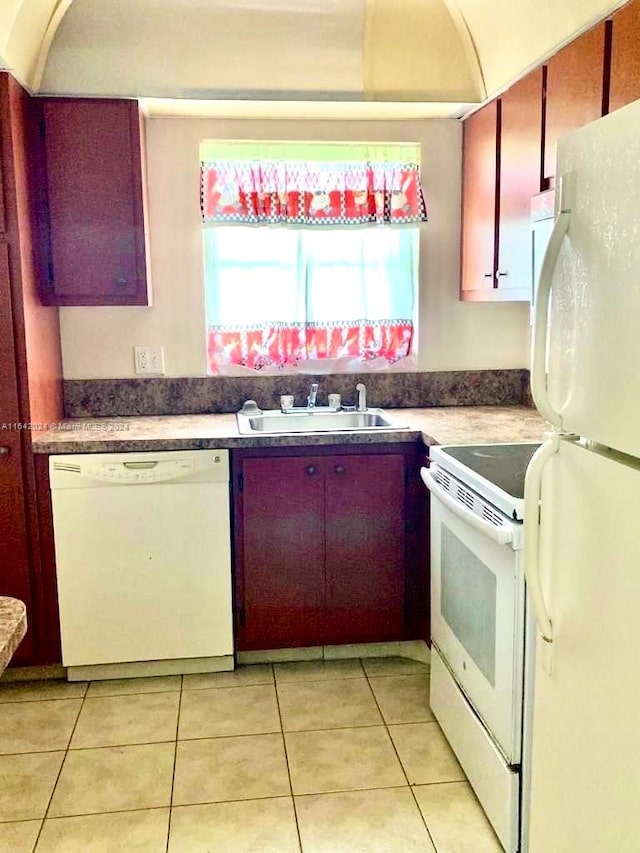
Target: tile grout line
[(66, 753), (410, 786), (221, 802), (138, 693), (85, 696), (333, 791), (424, 820), (175, 759), (286, 758), (31, 701), (19, 820), (94, 814), (120, 745), (34, 751)]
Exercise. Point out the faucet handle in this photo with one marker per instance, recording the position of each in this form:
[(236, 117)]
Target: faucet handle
[(361, 405), (286, 402), (313, 393)]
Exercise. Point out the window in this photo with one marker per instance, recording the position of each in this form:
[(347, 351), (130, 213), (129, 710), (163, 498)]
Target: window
[(299, 294)]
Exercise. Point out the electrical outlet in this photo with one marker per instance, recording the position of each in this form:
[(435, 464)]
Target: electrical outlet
[(149, 360)]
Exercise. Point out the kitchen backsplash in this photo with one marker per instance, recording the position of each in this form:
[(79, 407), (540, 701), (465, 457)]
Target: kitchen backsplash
[(168, 396)]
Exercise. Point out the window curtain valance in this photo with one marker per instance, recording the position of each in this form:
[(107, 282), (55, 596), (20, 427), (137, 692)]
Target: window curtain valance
[(310, 184)]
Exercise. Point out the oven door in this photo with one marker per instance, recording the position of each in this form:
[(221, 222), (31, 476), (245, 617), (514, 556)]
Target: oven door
[(477, 607)]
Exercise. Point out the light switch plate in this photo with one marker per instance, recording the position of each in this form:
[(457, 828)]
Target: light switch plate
[(149, 360)]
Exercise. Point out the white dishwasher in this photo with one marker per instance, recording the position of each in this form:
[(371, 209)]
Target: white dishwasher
[(143, 561)]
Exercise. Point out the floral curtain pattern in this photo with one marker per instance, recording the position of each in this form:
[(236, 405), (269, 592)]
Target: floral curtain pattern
[(338, 281), (297, 185), (289, 345)]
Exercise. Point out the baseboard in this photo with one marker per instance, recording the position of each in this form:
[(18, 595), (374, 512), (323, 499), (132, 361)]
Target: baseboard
[(34, 673), (142, 669), (412, 649)]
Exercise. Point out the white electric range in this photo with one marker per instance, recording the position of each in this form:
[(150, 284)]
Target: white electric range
[(478, 617)]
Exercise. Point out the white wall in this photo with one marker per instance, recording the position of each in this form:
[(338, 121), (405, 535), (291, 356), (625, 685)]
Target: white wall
[(98, 342)]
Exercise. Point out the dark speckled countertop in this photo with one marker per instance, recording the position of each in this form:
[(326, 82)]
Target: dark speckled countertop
[(13, 627), (446, 425)]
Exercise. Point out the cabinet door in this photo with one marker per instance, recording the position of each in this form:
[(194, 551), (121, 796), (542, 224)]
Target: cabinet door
[(3, 221), (520, 177), (14, 551), (95, 191), (574, 90), (365, 550), (283, 553), (625, 57), (479, 173)]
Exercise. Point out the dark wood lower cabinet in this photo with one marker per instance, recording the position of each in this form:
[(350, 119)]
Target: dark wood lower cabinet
[(365, 548), (15, 563), (328, 547), (283, 544), (30, 371)]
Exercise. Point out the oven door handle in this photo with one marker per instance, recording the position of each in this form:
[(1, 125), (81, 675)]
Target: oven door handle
[(501, 535)]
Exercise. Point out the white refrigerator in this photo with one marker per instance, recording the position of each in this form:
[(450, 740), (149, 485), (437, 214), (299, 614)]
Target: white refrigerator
[(582, 506)]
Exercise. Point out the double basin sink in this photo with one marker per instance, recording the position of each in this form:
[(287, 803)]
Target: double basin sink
[(318, 419)]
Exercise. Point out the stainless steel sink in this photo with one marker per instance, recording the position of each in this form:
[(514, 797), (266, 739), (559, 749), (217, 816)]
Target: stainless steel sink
[(314, 420)]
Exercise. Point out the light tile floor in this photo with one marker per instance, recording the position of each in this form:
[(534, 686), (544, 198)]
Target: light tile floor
[(320, 757)]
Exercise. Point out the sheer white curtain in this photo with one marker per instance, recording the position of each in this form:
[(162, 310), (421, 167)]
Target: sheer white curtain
[(279, 297)]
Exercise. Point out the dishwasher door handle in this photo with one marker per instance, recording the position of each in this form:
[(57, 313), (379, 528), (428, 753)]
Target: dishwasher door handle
[(140, 466)]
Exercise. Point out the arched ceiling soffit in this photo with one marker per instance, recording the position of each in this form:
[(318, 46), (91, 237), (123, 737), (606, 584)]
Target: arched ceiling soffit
[(513, 36), (349, 49), (27, 28), (416, 50)]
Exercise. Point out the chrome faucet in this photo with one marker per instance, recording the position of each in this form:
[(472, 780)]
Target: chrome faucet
[(361, 405), (313, 393)]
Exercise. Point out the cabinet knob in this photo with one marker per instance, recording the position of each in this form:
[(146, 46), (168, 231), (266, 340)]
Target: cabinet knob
[(488, 275), (122, 281), (311, 469), (339, 469), (502, 273), (4, 451)]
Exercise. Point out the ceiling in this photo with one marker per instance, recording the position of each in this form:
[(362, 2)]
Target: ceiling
[(445, 55)]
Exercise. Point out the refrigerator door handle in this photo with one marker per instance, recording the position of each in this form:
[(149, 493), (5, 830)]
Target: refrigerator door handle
[(541, 322), (532, 489)]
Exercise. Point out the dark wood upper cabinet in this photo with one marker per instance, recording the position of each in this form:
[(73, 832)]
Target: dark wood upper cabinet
[(479, 202), (96, 199), (509, 155), (574, 94), (520, 179), (501, 171), (625, 56)]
